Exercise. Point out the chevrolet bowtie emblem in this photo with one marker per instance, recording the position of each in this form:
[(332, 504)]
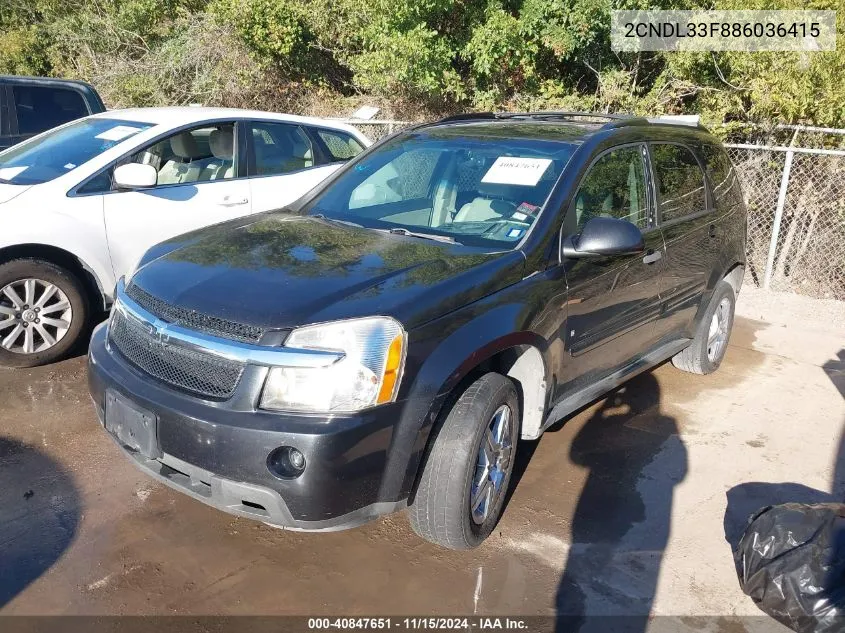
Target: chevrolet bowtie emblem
[(158, 332)]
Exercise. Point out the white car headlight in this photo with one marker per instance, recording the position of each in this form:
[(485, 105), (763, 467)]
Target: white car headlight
[(367, 375)]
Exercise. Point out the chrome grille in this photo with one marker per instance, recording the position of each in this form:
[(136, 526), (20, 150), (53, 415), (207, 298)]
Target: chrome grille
[(194, 320), (195, 372)]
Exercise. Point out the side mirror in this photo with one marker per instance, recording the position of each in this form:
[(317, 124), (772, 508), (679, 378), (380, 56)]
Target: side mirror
[(604, 236), (135, 176)]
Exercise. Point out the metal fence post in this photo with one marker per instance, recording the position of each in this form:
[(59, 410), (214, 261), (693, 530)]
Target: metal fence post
[(784, 185)]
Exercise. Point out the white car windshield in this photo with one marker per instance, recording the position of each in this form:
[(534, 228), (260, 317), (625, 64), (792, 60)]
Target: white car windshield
[(476, 186), (55, 153)]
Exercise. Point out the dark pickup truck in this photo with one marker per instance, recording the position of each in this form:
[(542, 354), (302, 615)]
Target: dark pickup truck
[(31, 105)]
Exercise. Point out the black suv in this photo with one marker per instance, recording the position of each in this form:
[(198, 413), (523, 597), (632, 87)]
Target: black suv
[(386, 342), (31, 105)]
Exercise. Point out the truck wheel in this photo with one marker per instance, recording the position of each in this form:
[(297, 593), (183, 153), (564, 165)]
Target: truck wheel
[(42, 312), (467, 471), (705, 353)]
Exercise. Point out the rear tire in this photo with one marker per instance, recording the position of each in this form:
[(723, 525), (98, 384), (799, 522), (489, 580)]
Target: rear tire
[(43, 332), (705, 353), (467, 471)]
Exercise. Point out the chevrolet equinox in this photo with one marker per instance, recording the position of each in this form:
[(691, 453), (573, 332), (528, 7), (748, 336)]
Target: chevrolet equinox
[(385, 342)]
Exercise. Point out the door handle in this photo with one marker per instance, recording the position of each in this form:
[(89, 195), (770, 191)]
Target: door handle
[(712, 230), (652, 256), (229, 202)]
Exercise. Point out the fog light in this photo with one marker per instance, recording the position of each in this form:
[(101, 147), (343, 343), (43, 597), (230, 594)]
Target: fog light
[(286, 462)]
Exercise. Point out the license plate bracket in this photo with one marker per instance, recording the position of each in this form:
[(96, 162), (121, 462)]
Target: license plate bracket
[(133, 426)]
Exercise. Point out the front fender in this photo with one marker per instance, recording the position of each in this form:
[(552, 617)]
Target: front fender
[(83, 242), (438, 363)]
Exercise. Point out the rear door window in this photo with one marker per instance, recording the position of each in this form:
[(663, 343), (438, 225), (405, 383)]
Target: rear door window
[(680, 181), (723, 179), (40, 108), (280, 148)]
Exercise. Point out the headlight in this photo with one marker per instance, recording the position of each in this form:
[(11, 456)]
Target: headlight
[(367, 375)]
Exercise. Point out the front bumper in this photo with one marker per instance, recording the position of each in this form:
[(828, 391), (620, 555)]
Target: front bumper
[(217, 451)]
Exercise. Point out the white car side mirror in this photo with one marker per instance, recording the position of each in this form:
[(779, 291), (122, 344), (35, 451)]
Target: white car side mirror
[(135, 176)]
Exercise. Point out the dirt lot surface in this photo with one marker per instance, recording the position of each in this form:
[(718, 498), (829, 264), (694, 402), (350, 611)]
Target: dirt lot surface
[(622, 509)]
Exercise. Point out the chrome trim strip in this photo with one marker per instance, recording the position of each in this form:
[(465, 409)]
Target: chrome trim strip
[(172, 334)]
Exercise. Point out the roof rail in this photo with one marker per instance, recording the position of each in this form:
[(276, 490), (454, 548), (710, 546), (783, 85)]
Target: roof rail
[(561, 114), (538, 114), (613, 120), (469, 116), (687, 120)]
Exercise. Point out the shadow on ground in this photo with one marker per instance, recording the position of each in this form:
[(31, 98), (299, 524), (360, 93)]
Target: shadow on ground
[(40, 509), (620, 526)]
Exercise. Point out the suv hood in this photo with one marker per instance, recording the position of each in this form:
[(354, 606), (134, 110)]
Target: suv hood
[(8, 192), (281, 271)]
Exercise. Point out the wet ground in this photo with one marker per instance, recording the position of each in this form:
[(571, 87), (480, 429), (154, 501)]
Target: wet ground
[(622, 509)]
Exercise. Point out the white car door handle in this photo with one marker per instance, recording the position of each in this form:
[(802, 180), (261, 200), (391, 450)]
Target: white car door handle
[(232, 202), (650, 258)]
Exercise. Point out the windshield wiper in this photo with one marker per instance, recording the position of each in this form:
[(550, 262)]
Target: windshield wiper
[(425, 236), (394, 231), (345, 222)]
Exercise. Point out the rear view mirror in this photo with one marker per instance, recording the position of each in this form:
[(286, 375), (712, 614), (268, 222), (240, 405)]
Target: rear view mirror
[(135, 176), (604, 236)]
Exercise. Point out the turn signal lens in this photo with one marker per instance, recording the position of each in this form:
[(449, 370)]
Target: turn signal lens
[(392, 367)]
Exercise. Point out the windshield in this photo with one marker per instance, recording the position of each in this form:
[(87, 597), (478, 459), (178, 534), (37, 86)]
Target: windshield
[(479, 189), (57, 152)]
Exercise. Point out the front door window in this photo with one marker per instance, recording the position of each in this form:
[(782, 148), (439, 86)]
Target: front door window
[(191, 156)]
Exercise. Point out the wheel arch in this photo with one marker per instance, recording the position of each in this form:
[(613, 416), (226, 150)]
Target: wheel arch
[(734, 277), (65, 259), (458, 360), (524, 365)]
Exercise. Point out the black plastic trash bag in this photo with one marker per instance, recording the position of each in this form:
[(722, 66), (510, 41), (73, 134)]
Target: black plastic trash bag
[(791, 562)]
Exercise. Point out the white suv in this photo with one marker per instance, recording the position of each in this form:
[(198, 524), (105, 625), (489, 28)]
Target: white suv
[(81, 203)]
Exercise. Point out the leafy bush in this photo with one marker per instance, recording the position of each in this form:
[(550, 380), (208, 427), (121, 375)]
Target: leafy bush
[(422, 56)]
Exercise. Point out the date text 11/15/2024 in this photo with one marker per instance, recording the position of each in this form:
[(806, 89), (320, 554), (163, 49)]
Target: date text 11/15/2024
[(419, 623)]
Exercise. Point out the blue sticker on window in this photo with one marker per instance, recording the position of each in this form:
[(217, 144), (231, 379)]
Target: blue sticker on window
[(515, 233)]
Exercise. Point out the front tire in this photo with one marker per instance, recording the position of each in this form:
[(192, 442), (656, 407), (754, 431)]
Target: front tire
[(705, 353), (467, 472), (43, 311)]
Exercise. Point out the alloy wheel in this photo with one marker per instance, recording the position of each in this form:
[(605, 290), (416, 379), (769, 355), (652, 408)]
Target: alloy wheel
[(492, 465), (34, 316), (717, 337)]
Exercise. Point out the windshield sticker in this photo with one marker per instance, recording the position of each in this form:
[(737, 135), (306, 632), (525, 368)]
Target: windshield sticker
[(70, 166), (7, 173), (117, 133), (515, 233), (519, 217), (514, 170), (528, 208)]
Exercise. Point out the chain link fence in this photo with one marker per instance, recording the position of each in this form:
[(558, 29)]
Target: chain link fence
[(794, 189), (796, 218), (376, 130)]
